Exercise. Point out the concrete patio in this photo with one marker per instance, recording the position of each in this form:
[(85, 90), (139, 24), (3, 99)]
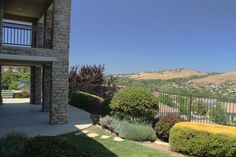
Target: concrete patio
[(29, 119)]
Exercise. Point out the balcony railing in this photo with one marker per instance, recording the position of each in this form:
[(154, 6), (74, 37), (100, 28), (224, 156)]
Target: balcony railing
[(23, 35)]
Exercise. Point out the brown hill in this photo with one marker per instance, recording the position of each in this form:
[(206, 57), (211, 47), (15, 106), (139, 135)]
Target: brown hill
[(166, 75), (220, 78)]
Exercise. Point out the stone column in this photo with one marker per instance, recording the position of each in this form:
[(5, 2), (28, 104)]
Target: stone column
[(48, 20), (32, 85), (0, 85), (36, 85), (39, 36), (60, 84), (46, 87), (1, 19)]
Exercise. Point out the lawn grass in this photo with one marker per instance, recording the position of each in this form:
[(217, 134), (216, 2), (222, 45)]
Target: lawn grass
[(109, 148)]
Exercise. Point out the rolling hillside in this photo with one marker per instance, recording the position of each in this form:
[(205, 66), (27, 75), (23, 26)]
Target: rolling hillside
[(184, 81), (166, 75), (219, 79)]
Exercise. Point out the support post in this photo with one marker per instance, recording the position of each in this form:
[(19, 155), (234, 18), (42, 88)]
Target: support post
[(1, 21), (36, 85), (190, 108), (47, 89), (0, 85), (60, 68)]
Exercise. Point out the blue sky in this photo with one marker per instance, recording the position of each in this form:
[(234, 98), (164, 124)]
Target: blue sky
[(146, 35)]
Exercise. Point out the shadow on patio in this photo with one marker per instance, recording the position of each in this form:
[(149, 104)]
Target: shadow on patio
[(29, 119)]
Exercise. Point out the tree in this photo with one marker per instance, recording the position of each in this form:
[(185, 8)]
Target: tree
[(91, 74), (166, 100), (217, 114), (183, 104), (200, 108), (9, 81)]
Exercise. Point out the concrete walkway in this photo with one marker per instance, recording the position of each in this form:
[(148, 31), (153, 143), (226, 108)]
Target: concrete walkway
[(29, 119)]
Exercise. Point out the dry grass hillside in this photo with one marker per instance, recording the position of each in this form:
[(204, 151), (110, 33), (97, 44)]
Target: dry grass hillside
[(219, 79), (166, 75)]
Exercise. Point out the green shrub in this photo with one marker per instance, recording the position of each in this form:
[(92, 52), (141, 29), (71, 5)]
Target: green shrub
[(135, 131), (105, 107), (86, 101), (50, 147), (135, 103), (12, 144), (165, 124), (183, 104), (203, 139), (22, 95), (200, 108), (108, 122), (166, 100), (218, 114)]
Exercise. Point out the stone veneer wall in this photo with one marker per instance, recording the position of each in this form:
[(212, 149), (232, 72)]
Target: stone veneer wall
[(36, 85), (59, 69), (0, 85), (60, 84), (47, 89), (1, 18)]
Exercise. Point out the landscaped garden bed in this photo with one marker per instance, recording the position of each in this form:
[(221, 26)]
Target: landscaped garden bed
[(133, 114)]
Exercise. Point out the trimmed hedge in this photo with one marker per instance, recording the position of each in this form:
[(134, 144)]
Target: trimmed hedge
[(12, 145), (86, 101), (135, 104), (203, 139), (165, 124), (50, 147)]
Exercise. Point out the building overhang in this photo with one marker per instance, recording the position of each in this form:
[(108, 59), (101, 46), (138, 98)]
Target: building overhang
[(6, 59), (25, 9)]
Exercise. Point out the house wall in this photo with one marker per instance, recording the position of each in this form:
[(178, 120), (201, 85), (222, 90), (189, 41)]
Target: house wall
[(1, 18), (60, 84), (58, 69), (0, 85), (36, 85)]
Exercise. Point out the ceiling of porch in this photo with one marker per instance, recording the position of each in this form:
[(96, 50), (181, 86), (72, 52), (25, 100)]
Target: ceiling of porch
[(25, 8)]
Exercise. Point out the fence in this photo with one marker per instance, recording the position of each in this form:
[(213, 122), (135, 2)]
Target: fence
[(96, 89), (198, 109)]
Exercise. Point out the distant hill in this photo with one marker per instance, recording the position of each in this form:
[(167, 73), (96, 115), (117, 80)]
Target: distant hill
[(167, 75), (217, 79), (184, 81)]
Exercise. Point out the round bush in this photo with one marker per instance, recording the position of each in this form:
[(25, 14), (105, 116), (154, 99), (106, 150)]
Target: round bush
[(50, 147), (165, 124), (12, 145), (135, 103)]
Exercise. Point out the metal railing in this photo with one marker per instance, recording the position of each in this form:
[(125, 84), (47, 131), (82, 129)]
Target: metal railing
[(96, 89), (23, 35), (198, 109)]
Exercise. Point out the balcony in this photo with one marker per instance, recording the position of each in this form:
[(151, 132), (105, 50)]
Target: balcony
[(26, 35), (27, 23)]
